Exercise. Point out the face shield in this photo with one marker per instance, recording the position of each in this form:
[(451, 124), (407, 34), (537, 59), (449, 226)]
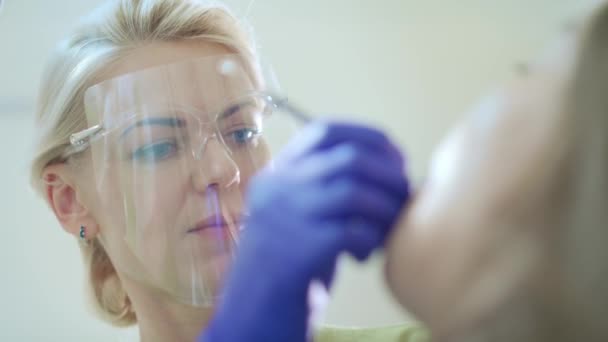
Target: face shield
[(172, 149)]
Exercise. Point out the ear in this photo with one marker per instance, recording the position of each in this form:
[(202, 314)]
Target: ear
[(62, 196)]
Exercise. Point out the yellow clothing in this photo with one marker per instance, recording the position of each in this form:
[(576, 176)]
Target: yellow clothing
[(397, 333)]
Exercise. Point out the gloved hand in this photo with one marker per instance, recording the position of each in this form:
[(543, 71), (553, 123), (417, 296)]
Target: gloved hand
[(336, 188)]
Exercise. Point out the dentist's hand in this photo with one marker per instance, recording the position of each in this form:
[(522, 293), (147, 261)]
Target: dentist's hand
[(336, 188)]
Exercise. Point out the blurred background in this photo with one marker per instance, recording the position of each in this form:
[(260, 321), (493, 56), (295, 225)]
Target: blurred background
[(410, 67)]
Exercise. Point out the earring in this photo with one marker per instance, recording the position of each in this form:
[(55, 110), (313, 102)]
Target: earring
[(83, 235)]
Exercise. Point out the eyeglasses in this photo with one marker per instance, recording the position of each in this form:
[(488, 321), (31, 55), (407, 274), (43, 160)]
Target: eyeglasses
[(81, 140)]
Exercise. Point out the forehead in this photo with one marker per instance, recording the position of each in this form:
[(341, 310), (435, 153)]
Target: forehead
[(195, 79), (160, 53)]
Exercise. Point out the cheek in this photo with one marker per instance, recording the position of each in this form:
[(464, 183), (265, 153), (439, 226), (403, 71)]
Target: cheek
[(151, 196), (489, 162), (253, 161), (143, 206), (463, 227)]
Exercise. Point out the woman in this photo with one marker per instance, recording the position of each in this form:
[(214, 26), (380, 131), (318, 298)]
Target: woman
[(152, 119), (506, 239)]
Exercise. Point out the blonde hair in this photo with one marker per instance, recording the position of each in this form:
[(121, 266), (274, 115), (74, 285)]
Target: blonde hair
[(100, 40)]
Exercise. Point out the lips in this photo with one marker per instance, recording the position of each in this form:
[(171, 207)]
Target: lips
[(212, 222)]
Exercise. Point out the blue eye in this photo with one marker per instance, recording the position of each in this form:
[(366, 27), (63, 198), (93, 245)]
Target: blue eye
[(244, 136), (155, 152)]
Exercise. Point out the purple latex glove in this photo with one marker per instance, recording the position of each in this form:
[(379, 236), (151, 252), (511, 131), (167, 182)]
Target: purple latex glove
[(336, 188)]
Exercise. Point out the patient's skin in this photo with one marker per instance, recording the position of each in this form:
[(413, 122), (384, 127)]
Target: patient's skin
[(485, 251)]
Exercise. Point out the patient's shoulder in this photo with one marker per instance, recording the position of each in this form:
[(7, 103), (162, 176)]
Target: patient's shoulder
[(396, 333)]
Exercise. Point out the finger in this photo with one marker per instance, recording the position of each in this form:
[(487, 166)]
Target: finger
[(348, 161), (321, 135), (361, 238), (347, 199)]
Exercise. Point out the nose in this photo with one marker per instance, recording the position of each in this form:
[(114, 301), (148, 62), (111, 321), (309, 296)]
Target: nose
[(213, 165)]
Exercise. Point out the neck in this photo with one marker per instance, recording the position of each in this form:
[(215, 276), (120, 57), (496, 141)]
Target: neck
[(162, 319)]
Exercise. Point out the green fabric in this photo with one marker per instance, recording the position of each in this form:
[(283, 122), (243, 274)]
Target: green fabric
[(397, 333)]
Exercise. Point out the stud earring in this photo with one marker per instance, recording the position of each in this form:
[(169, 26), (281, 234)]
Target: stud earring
[(83, 234)]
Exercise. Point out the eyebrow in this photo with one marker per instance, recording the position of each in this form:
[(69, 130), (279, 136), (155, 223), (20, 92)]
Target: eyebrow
[(170, 122), (233, 109)]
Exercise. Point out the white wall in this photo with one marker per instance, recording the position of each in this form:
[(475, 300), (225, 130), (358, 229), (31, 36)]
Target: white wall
[(408, 66)]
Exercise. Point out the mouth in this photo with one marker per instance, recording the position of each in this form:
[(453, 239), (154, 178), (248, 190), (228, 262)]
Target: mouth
[(213, 223)]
